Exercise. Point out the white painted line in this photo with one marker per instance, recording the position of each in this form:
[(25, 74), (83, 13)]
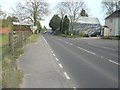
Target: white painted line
[(44, 40), (60, 65), (52, 51), (114, 62), (66, 75), (56, 59), (53, 54), (68, 43), (74, 88), (59, 39), (86, 50), (101, 56)]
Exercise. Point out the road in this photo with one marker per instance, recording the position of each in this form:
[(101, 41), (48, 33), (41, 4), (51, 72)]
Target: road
[(90, 63)]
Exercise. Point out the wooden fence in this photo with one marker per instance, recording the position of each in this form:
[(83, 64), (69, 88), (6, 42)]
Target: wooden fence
[(16, 40)]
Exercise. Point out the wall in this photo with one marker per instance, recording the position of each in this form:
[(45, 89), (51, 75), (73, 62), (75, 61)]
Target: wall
[(110, 22)]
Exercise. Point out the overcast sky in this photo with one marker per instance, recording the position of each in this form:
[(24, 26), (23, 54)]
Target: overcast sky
[(95, 9)]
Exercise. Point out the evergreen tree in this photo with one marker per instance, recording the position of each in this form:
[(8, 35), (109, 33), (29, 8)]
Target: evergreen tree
[(55, 23), (66, 25)]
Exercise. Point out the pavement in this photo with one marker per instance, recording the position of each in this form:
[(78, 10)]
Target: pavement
[(90, 63), (41, 68)]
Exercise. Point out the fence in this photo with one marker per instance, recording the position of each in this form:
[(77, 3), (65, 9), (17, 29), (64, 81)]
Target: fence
[(16, 40)]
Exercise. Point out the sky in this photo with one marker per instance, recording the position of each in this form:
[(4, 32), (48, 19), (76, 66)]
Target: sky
[(95, 9)]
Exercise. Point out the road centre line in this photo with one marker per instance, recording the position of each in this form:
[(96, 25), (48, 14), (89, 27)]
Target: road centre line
[(86, 50), (66, 75), (60, 65), (68, 43), (114, 62), (59, 39)]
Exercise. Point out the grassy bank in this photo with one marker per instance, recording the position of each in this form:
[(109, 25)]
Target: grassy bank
[(11, 75)]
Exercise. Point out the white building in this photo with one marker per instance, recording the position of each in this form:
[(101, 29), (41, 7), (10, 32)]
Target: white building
[(113, 23), (87, 24)]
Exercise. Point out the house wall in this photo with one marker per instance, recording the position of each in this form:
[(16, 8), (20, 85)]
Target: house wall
[(110, 22), (114, 26)]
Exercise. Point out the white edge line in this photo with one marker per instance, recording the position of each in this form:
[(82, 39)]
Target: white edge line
[(53, 54), (114, 62), (56, 59), (44, 40), (60, 65), (66, 75)]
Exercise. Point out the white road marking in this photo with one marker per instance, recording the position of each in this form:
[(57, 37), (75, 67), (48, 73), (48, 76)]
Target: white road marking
[(66, 75), (52, 51), (114, 62), (86, 50), (60, 65), (74, 88), (53, 54), (110, 48), (68, 43), (56, 59), (44, 40), (59, 39), (101, 56)]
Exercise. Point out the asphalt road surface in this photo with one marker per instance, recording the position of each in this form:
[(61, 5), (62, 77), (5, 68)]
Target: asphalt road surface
[(90, 63)]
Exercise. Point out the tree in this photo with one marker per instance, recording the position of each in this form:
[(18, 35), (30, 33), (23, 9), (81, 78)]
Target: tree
[(83, 13), (55, 22), (72, 9), (66, 25), (32, 10), (111, 7), (3, 14)]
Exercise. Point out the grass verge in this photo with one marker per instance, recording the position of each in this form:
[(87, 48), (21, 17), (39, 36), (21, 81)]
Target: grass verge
[(11, 75)]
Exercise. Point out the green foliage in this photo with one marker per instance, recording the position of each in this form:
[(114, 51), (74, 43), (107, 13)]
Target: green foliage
[(66, 25), (55, 23), (4, 23), (83, 13)]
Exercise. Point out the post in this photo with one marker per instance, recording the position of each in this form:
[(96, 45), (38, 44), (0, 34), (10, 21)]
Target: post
[(11, 42)]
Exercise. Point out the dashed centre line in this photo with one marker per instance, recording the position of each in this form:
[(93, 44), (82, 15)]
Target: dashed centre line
[(114, 62), (86, 50), (68, 43)]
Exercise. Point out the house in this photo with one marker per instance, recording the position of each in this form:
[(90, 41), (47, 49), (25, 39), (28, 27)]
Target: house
[(20, 26), (87, 25), (113, 23)]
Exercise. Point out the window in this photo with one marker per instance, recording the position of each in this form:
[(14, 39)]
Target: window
[(110, 20), (110, 30)]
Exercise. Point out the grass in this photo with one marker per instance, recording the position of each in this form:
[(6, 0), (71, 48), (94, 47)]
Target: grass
[(12, 76), (32, 39)]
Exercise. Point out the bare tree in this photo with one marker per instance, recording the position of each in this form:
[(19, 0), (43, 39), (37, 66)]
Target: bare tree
[(3, 14), (111, 7), (32, 9), (72, 9)]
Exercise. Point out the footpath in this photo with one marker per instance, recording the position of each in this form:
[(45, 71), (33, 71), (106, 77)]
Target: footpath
[(40, 68)]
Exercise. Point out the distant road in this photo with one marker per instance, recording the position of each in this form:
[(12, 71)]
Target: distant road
[(90, 63)]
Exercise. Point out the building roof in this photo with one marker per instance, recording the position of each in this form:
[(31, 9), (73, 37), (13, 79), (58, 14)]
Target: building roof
[(114, 14), (88, 20), (21, 23)]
